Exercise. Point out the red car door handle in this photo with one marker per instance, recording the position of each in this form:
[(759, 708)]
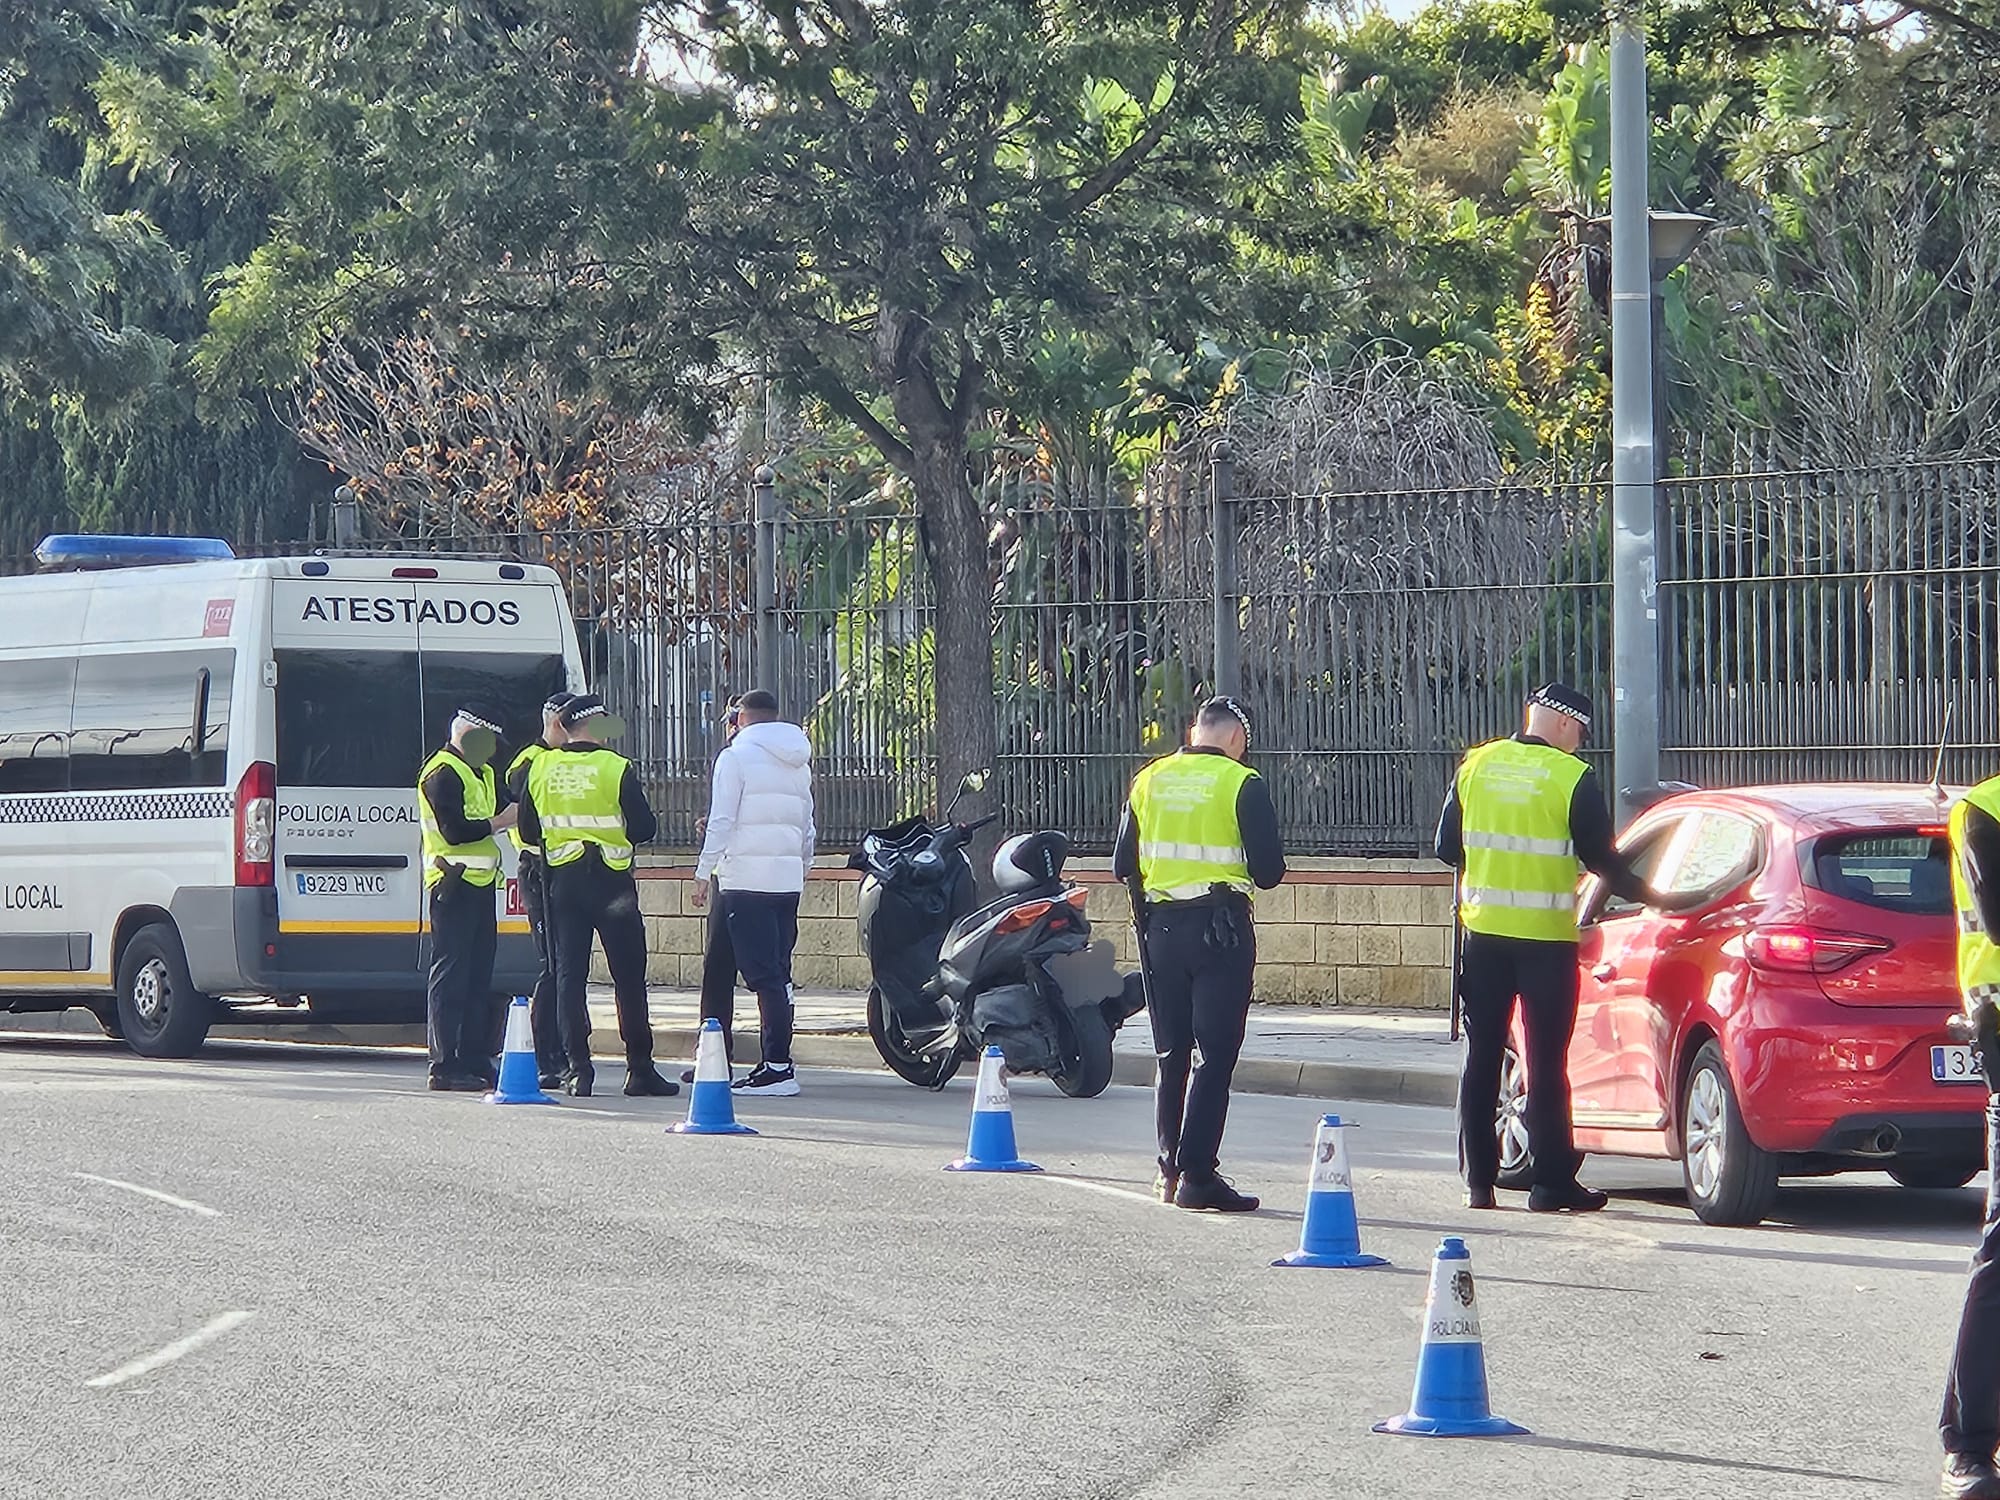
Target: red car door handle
[(1604, 971)]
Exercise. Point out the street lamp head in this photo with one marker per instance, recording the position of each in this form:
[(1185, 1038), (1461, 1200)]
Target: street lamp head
[(1674, 238)]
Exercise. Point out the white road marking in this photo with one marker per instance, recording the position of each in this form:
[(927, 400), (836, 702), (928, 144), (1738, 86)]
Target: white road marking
[(1150, 1199), (214, 1329), (154, 1193)]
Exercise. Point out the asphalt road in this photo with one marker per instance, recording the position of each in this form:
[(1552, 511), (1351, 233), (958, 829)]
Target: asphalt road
[(362, 1290)]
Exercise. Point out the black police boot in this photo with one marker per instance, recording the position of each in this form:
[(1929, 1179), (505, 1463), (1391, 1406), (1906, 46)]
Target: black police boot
[(577, 1085), (1967, 1476), (1573, 1199), (1213, 1195), (1480, 1197), (1166, 1182), (647, 1081)]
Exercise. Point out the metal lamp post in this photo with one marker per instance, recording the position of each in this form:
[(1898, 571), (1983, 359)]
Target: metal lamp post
[(1645, 248)]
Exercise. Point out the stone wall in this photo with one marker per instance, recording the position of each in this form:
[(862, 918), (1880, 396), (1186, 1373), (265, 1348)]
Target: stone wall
[(1337, 932)]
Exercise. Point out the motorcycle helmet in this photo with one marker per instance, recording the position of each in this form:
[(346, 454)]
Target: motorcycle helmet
[(1029, 860)]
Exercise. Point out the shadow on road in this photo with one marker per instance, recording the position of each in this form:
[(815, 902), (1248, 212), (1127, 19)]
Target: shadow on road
[(1663, 1455)]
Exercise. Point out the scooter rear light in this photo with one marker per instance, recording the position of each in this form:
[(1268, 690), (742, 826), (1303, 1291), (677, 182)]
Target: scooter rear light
[(1021, 918)]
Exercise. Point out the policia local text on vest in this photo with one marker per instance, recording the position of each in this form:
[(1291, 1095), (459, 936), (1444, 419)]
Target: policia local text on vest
[(1970, 1422), (1521, 821), (585, 809), (1199, 833), (462, 809), (550, 1060)]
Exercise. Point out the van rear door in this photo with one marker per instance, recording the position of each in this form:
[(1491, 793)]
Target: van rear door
[(350, 740), (500, 647)]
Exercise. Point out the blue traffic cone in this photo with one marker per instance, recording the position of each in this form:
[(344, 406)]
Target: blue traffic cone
[(1331, 1235), (1450, 1398), (990, 1146), (520, 1080), (711, 1106)]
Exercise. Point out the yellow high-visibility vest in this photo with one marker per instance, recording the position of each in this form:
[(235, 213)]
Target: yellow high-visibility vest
[(1189, 840), (575, 793), (480, 859), (1520, 874), (1978, 955)]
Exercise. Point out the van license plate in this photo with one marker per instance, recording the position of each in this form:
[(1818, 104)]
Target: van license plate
[(1955, 1065), (342, 885)]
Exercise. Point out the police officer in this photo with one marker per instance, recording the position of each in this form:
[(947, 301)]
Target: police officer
[(461, 811), (1970, 1423), (585, 809), (1520, 817), (549, 1058), (1199, 832)]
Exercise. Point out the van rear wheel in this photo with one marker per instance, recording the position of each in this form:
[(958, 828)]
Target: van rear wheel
[(160, 1011)]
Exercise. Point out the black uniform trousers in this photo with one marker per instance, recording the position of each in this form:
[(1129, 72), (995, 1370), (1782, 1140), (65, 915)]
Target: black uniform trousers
[(1493, 972), (1201, 958), (586, 897), (459, 1003), (1970, 1423), (763, 929), (718, 972), (542, 1009)]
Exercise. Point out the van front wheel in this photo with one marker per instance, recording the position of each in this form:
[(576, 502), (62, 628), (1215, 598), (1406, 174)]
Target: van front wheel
[(160, 1011)]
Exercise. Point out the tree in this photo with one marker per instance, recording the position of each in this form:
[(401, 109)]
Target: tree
[(896, 204), (64, 261)]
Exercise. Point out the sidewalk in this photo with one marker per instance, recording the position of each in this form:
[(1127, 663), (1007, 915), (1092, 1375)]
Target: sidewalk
[(1397, 1057), (1391, 1056)]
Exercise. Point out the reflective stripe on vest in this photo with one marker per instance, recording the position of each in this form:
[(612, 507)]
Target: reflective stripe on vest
[(575, 793), (525, 758), (480, 859), (1521, 869), (1189, 842), (1978, 956)]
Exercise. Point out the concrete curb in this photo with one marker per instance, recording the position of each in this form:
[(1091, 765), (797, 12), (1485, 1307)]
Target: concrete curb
[(1290, 1077)]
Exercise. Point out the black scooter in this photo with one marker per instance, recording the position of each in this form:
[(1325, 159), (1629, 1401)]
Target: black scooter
[(1021, 974)]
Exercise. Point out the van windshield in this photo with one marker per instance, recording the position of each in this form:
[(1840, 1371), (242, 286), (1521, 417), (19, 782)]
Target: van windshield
[(369, 718)]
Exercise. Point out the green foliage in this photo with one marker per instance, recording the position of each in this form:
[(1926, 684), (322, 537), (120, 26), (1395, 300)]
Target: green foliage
[(67, 262)]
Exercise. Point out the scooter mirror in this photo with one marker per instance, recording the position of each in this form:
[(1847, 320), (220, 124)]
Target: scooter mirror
[(975, 781)]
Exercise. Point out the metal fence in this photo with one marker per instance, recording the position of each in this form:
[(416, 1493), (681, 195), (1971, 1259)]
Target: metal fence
[(1815, 625)]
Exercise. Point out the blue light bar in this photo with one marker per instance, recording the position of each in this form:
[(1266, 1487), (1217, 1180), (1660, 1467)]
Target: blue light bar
[(76, 554)]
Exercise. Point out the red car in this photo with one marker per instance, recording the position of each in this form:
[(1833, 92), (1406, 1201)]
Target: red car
[(1794, 1025)]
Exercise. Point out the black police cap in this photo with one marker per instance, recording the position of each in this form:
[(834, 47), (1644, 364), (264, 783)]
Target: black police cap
[(1565, 700)]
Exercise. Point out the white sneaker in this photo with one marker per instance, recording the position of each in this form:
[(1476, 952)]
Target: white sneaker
[(778, 1083)]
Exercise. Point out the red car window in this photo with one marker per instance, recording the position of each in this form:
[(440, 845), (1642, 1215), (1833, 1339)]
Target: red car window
[(1647, 853), (1720, 852)]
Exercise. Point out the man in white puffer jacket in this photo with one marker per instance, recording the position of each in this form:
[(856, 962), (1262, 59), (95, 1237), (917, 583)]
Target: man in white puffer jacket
[(758, 848)]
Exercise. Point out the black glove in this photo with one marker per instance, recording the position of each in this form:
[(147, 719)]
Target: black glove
[(1986, 1040)]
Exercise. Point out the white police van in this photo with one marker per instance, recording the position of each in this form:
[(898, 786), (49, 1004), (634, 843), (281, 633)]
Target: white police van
[(208, 775)]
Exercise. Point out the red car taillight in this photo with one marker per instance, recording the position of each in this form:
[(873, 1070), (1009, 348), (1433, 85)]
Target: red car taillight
[(1808, 950), (256, 824)]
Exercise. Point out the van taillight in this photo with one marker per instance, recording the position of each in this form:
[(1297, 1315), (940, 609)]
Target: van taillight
[(1808, 950), (256, 823)]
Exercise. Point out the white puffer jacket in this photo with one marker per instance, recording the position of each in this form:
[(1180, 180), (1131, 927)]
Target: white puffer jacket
[(760, 812)]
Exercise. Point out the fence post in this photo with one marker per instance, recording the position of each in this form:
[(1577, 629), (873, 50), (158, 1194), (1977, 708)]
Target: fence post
[(1222, 525), (765, 584)]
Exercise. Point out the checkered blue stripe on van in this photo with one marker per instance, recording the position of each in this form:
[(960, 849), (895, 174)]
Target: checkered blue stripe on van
[(117, 807)]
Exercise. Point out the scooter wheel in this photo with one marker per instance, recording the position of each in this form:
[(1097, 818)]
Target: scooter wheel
[(904, 1060)]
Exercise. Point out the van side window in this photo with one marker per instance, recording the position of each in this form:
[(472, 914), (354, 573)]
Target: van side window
[(135, 720), (34, 725)]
